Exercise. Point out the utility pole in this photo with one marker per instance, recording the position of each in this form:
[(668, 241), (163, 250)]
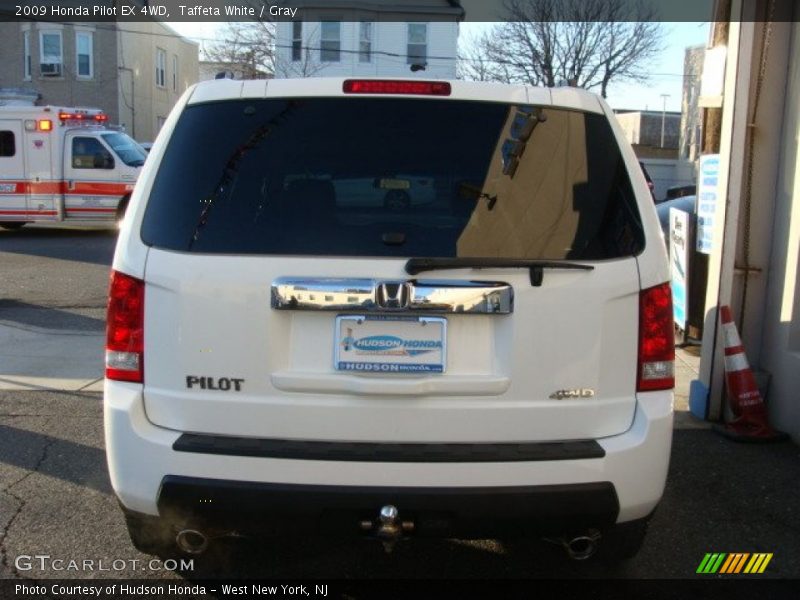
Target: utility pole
[(133, 99), (663, 116)]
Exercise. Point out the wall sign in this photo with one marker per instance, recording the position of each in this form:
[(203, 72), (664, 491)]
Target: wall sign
[(679, 263), (707, 185)]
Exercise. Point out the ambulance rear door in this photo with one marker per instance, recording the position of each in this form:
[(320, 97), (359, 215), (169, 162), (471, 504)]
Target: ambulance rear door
[(13, 185), (42, 170)]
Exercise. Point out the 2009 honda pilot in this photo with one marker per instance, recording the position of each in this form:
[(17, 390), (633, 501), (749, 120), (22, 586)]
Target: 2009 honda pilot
[(495, 361)]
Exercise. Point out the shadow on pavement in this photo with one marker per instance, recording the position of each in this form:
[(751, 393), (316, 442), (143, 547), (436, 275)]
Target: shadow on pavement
[(723, 496), (34, 315), (81, 465), (92, 245), (334, 558)]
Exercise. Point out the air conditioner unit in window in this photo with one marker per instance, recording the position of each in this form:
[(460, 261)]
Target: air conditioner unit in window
[(50, 69)]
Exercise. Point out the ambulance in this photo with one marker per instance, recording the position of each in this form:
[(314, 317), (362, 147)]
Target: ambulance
[(64, 164)]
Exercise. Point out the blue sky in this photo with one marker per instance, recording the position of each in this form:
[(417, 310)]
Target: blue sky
[(667, 71)]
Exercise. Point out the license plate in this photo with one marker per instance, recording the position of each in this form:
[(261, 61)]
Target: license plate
[(383, 344)]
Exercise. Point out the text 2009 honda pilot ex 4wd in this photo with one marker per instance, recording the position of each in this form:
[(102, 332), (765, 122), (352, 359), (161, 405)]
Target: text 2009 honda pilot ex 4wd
[(492, 358)]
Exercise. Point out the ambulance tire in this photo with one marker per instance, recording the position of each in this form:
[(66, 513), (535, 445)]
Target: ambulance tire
[(12, 225), (121, 208)]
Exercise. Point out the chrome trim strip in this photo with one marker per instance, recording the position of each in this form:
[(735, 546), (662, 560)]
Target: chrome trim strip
[(442, 296)]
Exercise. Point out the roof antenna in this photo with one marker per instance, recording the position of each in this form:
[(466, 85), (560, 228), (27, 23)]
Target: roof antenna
[(418, 67)]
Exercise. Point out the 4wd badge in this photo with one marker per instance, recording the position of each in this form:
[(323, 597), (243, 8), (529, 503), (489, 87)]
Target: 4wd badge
[(573, 393)]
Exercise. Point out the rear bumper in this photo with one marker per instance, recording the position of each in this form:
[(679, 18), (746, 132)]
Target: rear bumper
[(436, 512), (622, 483)]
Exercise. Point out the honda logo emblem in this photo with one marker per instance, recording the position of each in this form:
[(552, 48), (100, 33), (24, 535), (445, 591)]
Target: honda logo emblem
[(393, 295)]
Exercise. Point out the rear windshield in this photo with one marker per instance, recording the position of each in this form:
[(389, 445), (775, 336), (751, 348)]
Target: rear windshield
[(392, 177)]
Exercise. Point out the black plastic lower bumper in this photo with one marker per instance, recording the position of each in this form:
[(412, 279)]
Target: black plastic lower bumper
[(474, 512)]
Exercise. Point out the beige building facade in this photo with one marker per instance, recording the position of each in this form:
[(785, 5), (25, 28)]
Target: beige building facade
[(156, 65), (135, 72)]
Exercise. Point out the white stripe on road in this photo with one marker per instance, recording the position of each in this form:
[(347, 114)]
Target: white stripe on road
[(17, 383)]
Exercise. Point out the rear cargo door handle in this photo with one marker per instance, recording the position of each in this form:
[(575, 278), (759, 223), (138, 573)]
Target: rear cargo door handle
[(373, 295)]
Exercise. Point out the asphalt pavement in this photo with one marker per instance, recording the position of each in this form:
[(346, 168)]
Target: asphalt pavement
[(52, 307), (56, 500)]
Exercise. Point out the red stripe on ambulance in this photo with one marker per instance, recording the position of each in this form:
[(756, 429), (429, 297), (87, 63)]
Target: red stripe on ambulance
[(81, 188)]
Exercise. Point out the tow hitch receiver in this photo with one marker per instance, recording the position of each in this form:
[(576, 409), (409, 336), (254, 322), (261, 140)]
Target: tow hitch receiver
[(387, 527)]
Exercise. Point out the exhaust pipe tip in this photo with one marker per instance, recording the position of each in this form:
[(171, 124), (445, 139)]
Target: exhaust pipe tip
[(192, 541), (582, 547)]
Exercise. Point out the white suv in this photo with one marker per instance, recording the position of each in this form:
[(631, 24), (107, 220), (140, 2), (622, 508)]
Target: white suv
[(496, 362)]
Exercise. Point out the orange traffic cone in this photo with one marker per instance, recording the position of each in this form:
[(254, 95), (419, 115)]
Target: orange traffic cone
[(750, 422)]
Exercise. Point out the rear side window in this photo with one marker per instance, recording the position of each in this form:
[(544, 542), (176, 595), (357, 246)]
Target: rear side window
[(7, 143), (392, 177)]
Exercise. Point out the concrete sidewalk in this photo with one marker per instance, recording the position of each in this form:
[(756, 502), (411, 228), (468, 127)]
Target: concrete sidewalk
[(35, 358), (687, 367)]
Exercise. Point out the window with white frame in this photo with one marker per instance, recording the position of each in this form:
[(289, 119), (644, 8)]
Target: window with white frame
[(297, 41), (417, 49), (175, 72), (330, 41), (26, 65), (51, 52), (161, 67), (365, 42), (84, 54)]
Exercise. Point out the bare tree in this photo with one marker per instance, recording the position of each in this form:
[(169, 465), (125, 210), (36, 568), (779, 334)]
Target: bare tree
[(249, 47), (306, 66), (473, 64), (588, 43), (252, 48)]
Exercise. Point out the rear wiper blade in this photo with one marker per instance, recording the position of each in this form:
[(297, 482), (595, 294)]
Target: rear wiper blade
[(537, 267)]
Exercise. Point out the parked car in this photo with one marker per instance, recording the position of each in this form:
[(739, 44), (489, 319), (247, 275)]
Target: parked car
[(679, 191), (497, 364), (395, 192), (650, 185), (685, 203)]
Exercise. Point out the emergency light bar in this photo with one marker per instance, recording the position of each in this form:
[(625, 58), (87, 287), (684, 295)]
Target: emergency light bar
[(82, 117), (389, 86)]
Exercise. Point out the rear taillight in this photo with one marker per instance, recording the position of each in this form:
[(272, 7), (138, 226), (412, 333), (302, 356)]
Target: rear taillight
[(389, 86), (656, 370), (125, 329)]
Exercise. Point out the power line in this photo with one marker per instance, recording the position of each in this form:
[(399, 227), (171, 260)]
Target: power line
[(319, 48)]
